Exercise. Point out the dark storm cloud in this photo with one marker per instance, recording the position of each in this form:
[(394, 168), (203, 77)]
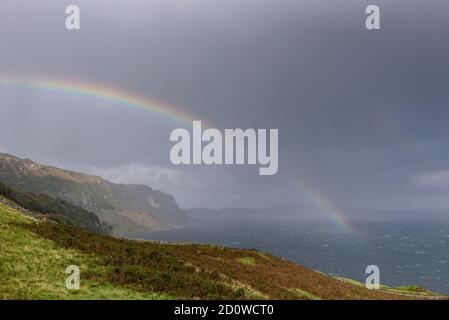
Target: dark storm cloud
[(362, 114)]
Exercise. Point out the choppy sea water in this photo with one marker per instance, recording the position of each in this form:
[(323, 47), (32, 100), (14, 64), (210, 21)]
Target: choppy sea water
[(407, 253)]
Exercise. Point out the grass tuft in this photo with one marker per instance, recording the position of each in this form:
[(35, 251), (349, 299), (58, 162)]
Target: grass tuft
[(247, 261)]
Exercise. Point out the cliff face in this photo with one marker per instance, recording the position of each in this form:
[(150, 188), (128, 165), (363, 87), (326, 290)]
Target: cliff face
[(127, 208)]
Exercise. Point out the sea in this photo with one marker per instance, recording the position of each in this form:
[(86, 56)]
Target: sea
[(414, 252)]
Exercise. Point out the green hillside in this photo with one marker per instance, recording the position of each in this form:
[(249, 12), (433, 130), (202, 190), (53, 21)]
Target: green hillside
[(53, 209), (34, 255), (124, 207)]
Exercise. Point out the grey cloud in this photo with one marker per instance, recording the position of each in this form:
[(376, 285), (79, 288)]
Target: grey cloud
[(358, 112)]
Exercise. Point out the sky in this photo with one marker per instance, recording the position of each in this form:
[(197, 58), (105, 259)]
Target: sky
[(362, 115)]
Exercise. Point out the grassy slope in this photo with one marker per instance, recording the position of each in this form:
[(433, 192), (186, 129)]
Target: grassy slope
[(32, 267), (405, 290), (34, 255)]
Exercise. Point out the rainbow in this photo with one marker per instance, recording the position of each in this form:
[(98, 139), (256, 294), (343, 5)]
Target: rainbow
[(325, 206), (102, 93), (132, 101)]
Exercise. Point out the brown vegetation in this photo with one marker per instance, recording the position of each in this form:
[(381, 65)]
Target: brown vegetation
[(195, 271)]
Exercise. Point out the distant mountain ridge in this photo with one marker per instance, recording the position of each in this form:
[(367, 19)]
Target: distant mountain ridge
[(127, 208)]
